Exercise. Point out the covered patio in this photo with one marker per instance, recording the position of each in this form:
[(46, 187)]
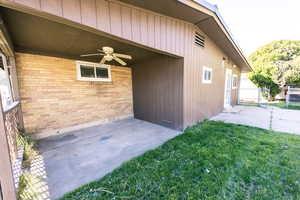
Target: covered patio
[(82, 156), (148, 112), (156, 77)]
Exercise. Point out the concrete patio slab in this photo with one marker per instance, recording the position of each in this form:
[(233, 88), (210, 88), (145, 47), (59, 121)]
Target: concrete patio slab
[(83, 156), (246, 115), (268, 117), (286, 120)]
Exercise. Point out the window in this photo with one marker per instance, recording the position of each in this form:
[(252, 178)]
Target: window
[(5, 84), (234, 81), (207, 75), (87, 71)]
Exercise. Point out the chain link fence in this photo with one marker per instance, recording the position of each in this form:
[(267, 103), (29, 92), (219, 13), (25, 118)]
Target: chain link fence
[(292, 96)]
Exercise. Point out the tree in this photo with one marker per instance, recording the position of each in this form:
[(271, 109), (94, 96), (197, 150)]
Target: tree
[(276, 65)]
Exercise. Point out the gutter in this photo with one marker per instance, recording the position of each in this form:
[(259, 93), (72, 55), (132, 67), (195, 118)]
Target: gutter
[(215, 10)]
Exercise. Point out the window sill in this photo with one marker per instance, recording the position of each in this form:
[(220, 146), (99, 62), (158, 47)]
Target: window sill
[(11, 106), (206, 82), (95, 80)]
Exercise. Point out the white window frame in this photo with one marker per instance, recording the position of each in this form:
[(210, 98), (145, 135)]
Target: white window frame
[(234, 77), (203, 75), (7, 103), (95, 65)]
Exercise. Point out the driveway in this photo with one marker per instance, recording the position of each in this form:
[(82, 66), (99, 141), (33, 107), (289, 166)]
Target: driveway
[(268, 117), (80, 157)]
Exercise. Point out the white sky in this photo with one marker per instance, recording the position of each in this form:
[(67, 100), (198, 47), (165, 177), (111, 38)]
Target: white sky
[(255, 23)]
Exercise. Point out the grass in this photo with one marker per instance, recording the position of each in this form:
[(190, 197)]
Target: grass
[(212, 160), (282, 104)]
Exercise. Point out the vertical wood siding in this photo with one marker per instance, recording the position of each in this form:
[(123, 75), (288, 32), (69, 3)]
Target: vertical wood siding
[(123, 20), (164, 33), (157, 88)]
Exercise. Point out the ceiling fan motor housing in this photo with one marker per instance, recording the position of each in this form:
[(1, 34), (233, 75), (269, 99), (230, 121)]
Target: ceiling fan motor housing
[(108, 50)]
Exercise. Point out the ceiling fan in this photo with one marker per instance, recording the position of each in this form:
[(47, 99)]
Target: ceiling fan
[(109, 55)]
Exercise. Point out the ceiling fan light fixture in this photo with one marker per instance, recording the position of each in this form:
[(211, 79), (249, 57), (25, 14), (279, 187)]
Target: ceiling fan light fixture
[(108, 57)]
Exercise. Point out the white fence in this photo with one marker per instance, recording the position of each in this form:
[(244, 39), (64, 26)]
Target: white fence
[(253, 95)]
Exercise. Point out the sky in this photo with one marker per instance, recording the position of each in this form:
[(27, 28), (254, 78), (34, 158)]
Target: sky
[(254, 23)]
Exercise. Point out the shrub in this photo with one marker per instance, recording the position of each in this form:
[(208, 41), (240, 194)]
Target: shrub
[(28, 187), (30, 153)]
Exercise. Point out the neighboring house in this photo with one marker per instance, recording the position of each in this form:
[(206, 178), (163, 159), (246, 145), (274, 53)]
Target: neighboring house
[(185, 64)]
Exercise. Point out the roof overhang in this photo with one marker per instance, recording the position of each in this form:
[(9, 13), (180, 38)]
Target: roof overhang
[(30, 33), (204, 15)]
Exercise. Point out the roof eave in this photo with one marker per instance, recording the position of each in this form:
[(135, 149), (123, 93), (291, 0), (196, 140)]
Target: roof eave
[(214, 12)]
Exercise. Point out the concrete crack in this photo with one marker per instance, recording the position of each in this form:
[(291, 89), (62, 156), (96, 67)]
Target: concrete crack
[(271, 118)]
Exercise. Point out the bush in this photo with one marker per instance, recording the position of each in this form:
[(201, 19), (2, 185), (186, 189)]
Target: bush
[(262, 81), (25, 141), (28, 187)]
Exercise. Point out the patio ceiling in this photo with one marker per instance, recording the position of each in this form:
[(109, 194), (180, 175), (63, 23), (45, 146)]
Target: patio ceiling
[(33, 34)]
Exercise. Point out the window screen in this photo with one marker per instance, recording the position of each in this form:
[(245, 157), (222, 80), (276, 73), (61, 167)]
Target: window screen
[(101, 72), (87, 71)]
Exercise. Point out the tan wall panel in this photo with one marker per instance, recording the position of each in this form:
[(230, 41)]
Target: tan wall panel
[(30, 3), (88, 12), (53, 98), (136, 25), (126, 22), (52, 6), (72, 10), (144, 28), (163, 33), (115, 19), (157, 35), (151, 30), (103, 18)]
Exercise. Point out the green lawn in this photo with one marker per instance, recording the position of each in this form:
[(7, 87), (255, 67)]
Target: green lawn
[(213, 160), (282, 104)]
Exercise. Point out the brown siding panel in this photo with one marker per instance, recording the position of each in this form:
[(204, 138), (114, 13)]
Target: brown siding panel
[(52, 6), (163, 34), (72, 10), (88, 13), (151, 30), (30, 3), (115, 19), (157, 37), (144, 28), (126, 22), (157, 91), (136, 25), (103, 18)]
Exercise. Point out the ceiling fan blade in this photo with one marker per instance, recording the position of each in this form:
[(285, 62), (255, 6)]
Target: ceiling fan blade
[(92, 54), (100, 50), (102, 60), (122, 56), (119, 61)]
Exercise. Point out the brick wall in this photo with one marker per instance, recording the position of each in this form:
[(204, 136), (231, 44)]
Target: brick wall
[(53, 98)]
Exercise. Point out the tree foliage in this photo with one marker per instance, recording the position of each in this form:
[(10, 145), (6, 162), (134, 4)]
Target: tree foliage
[(276, 65)]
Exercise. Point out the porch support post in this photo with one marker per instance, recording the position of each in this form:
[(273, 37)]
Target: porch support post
[(6, 173), (15, 88), (6, 45)]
